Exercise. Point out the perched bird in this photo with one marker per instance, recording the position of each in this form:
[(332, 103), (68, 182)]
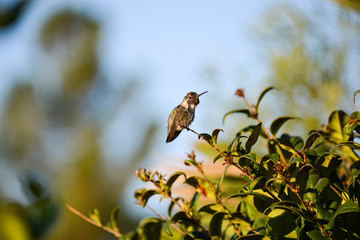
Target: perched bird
[(182, 116)]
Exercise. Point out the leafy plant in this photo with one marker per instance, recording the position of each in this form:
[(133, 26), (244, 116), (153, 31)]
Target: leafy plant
[(300, 189)]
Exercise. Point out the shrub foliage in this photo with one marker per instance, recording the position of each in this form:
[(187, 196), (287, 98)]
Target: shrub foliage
[(299, 189)]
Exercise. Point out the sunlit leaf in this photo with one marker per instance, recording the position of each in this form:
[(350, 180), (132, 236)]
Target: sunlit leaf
[(95, 216), (167, 228), (113, 218), (327, 163), (217, 157), (337, 122), (276, 226), (215, 134)]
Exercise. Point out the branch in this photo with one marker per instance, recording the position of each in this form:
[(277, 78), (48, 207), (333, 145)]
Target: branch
[(115, 233)]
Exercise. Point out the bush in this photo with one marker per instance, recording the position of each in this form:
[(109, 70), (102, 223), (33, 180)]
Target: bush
[(300, 189)]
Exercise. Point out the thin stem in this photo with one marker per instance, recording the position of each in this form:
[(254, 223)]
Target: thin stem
[(253, 115), (115, 233), (227, 159), (337, 192), (164, 219)]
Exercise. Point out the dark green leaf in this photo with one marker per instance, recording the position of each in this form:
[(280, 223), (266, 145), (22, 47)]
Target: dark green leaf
[(327, 163), (195, 200), (277, 123), (179, 217), (207, 137), (193, 181), (251, 237), (257, 183), (173, 178), (172, 204), (196, 235), (215, 134), (276, 226), (356, 93), (310, 140), (216, 223), (150, 229), (189, 162), (260, 97), (210, 208), (244, 111), (345, 222), (146, 195), (253, 137)]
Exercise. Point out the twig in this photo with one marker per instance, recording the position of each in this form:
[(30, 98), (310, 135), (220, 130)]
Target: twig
[(227, 159), (115, 233), (164, 219)]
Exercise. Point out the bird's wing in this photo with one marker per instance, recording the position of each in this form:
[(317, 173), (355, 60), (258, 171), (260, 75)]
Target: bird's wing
[(172, 132)]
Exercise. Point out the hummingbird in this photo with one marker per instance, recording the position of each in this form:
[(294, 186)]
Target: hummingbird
[(183, 115)]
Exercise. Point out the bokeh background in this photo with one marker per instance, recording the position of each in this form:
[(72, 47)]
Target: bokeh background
[(86, 87)]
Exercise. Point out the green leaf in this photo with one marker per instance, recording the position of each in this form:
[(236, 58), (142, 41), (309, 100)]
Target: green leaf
[(310, 140), (147, 195), (207, 137), (327, 163), (244, 111), (172, 204), (196, 235), (337, 122), (345, 222), (215, 134), (257, 183), (350, 144), (217, 157), (218, 187), (113, 218), (356, 93), (179, 217), (352, 123), (150, 229), (261, 96), (195, 200), (173, 178), (95, 216), (189, 162), (167, 228), (253, 137), (251, 237), (210, 208), (277, 123), (281, 225), (216, 223)]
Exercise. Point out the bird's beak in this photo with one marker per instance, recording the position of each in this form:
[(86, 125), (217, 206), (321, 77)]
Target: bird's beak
[(202, 93)]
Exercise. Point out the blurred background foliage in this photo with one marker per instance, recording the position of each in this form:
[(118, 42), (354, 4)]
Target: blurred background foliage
[(51, 130)]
